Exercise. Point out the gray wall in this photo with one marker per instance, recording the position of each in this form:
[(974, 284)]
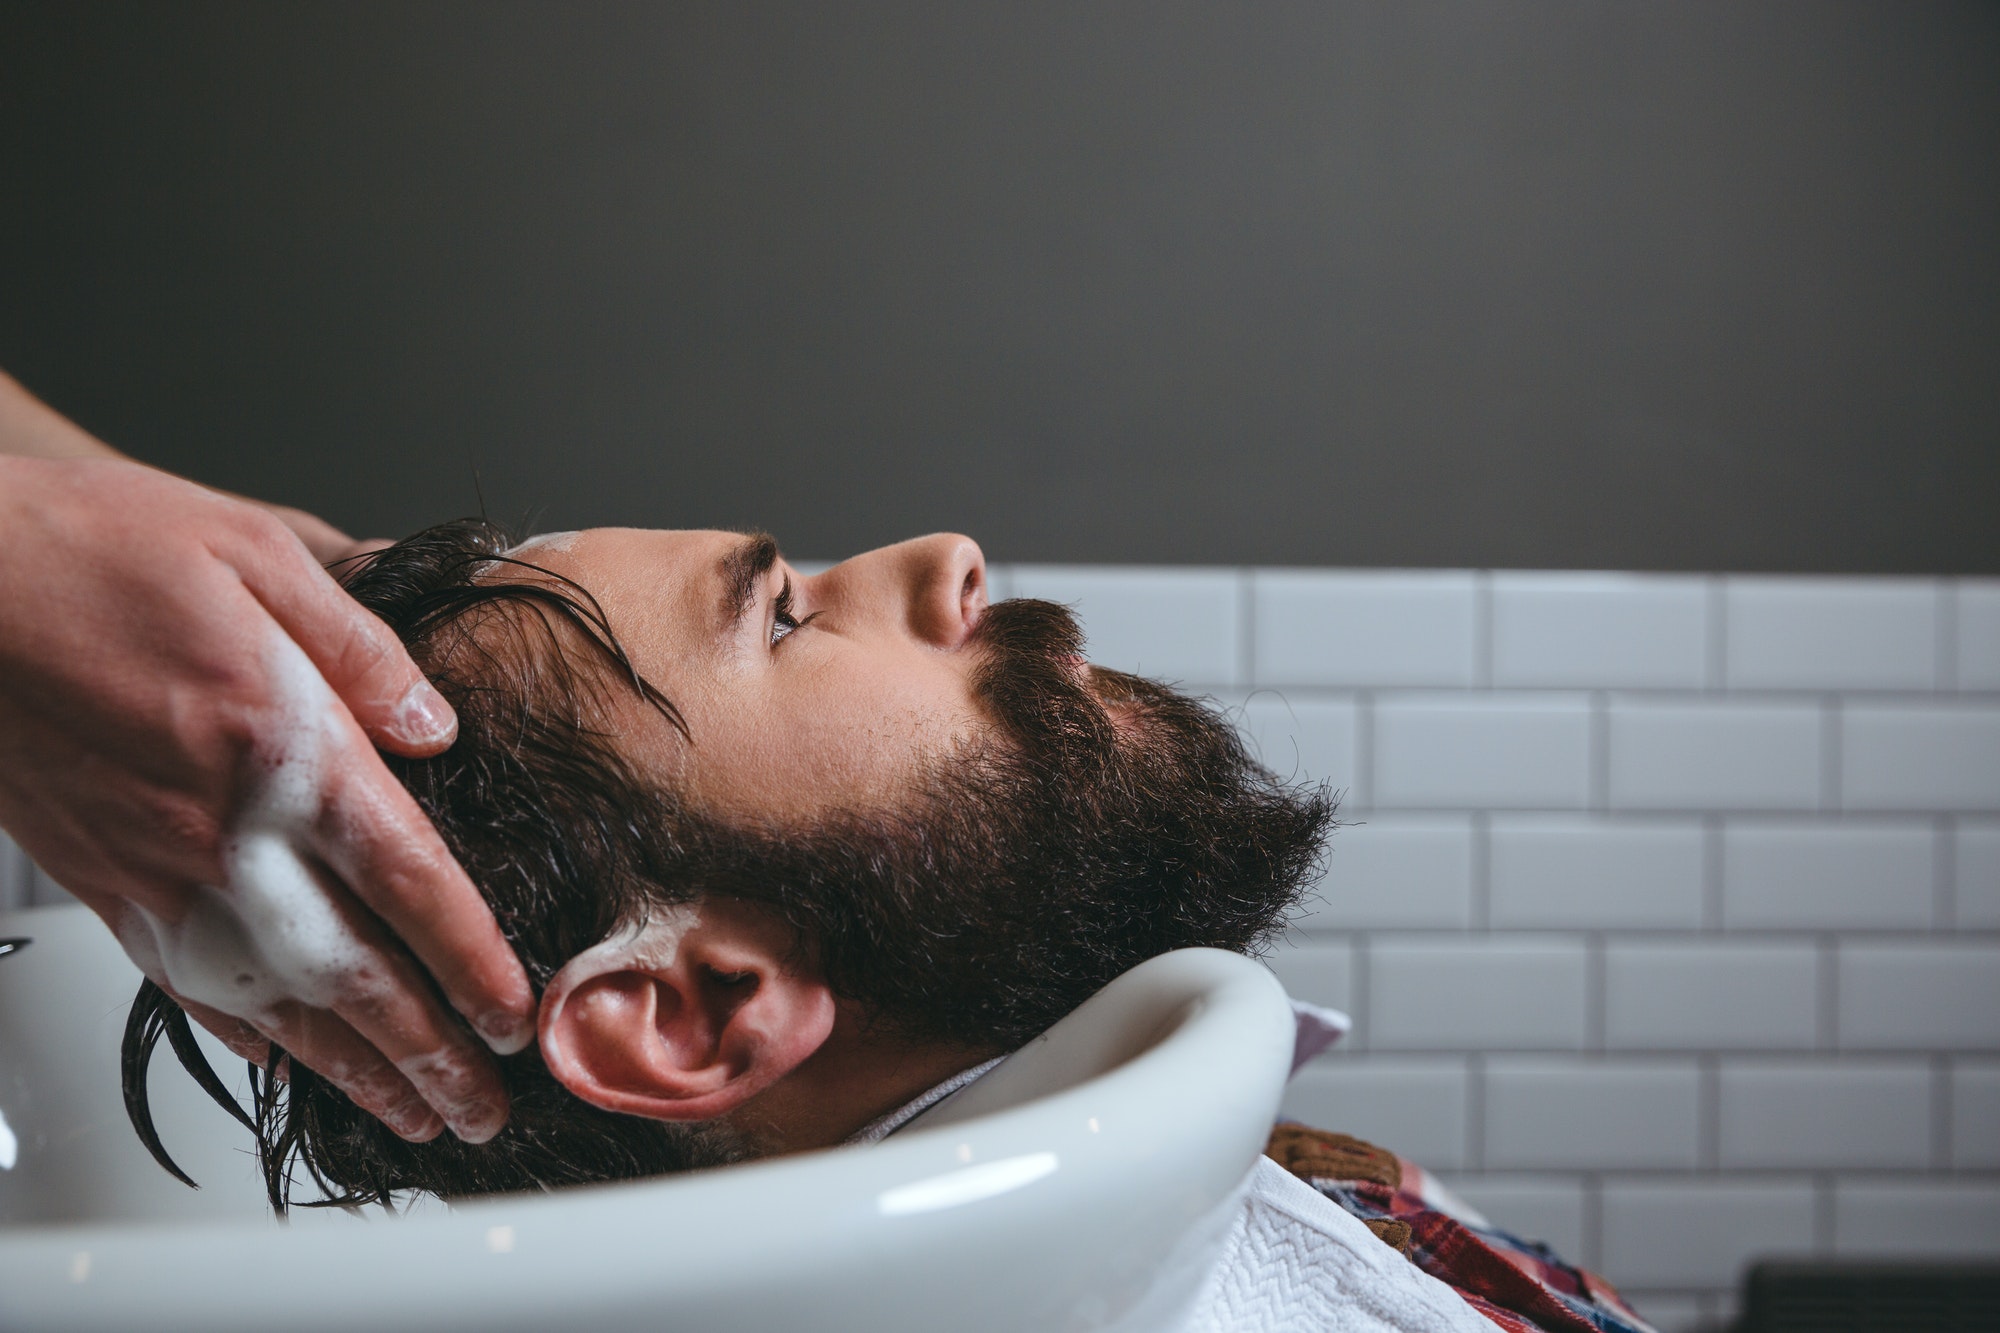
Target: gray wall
[(1646, 286)]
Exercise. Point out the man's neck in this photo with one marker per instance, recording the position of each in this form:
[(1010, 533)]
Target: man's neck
[(856, 1077)]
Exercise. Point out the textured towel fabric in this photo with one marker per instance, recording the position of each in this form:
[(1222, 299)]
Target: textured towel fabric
[(1296, 1262), (1339, 1236), (1520, 1285)]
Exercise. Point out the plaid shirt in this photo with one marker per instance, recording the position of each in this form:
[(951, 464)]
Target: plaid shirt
[(1523, 1286)]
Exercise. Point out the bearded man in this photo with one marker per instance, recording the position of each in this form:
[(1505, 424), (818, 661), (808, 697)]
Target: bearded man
[(789, 858)]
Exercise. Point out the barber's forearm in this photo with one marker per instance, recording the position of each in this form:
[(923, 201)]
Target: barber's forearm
[(30, 428)]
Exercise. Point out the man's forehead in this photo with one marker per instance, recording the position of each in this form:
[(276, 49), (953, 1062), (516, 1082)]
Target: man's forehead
[(661, 588)]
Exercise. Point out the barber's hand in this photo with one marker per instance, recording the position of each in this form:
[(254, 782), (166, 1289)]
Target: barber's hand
[(328, 544), (187, 703)]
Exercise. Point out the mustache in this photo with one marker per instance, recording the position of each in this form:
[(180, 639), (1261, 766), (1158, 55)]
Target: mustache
[(1032, 679), (1039, 688)]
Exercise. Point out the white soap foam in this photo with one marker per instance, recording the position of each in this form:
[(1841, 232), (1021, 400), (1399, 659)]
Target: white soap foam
[(273, 931), (270, 931), (652, 944), (558, 542)]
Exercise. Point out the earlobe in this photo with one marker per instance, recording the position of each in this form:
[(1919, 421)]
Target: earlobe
[(684, 1019)]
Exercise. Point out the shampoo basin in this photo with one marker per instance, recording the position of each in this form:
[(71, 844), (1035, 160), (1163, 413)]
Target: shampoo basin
[(1088, 1182)]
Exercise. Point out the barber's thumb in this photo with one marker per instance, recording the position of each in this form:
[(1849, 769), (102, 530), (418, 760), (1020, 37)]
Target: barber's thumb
[(400, 710), (421, 723)]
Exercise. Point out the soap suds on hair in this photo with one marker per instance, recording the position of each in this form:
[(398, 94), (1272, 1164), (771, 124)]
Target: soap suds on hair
[(648, 945), (271, 931), (558, 542), (275, 930)]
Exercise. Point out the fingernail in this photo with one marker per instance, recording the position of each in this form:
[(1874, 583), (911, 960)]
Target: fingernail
[(506, 1032), (418, 1124), (478, 1121), (423, 717)]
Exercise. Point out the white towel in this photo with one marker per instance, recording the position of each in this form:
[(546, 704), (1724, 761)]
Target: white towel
[(1296, 1262)]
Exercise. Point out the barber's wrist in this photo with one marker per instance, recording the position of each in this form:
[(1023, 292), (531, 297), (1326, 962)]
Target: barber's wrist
[(30, 428)]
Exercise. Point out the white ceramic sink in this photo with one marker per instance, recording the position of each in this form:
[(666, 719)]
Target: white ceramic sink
[(1087, 1183)]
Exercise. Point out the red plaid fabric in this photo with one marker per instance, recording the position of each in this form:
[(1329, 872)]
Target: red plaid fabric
[(1522, 1286)]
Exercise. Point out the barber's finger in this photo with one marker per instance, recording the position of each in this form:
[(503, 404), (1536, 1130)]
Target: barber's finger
[(237, 1035), (328, 1046), (360, 657), (376, 839), (430, 1048)]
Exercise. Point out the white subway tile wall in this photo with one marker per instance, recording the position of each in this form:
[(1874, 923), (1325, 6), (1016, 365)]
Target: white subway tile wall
[(1181, 625), (1918, 994), (1312, 739), (1976, 893), (1490, 750), (1713, 754), (1821, 875), (1920, 756), (1929, 1221), (1826, 1114), (1420, 1102), (1374, 629), (1600, 631), (1975, 1114), (1398, 872), (1670, 912), (1711, 994), (1694, 1233), (1613, 1114), (1578, 872), (1535, 991), (1836, 634), (1670, 918), (1977, 666)]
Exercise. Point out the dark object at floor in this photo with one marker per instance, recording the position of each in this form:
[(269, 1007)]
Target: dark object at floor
[(1871, 1298), (8, 946)]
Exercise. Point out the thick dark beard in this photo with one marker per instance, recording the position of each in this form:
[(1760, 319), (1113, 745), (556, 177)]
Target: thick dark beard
[(1110, 819)]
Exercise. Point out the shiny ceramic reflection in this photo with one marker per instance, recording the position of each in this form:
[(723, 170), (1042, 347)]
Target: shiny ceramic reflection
[(1087, 1183)]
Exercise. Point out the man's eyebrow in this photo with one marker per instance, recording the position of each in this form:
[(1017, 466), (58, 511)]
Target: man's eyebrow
[(742, 567)]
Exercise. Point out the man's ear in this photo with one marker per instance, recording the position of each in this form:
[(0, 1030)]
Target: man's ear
[(686, 1018)]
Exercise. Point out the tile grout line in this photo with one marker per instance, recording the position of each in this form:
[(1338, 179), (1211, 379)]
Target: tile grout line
[(1364, 749), (1475, 1111), (1482, 629), (1593, 1220), (1600, 752), (1595, 987), (1944, 875), (1708, 1131), (1713, 871), (1941, 1118), (1482, 872), (1246, 626), (1716, 621), (1945, 671), (1359, 952)]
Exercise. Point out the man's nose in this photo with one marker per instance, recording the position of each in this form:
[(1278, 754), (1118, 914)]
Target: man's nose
[(946, 587)]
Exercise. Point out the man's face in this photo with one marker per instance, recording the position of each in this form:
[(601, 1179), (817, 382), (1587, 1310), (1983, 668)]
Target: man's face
[(801, 695)]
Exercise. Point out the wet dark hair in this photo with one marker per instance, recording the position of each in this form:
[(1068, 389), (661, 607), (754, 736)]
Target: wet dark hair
[(1106, 819)]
